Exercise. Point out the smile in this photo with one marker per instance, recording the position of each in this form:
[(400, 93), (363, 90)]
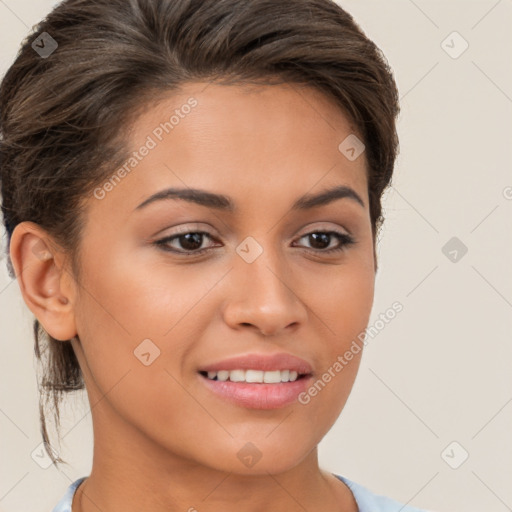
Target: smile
[(256, 376), (256, 389)]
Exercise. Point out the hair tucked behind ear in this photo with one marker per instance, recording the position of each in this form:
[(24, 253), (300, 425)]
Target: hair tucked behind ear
[(63, 115)]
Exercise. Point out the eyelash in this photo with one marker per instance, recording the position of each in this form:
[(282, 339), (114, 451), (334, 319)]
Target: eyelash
[(345, 241)]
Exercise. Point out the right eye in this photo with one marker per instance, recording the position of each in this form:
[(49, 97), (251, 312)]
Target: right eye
[(190, 241)]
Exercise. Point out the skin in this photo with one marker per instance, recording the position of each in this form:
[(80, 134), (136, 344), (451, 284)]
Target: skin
[(162, 440)]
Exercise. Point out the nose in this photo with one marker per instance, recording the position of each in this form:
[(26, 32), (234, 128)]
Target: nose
[(264, 297)]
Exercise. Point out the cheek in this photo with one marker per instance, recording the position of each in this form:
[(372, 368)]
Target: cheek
[(134, 300), (343, 313), (135, 329), (352, 301), (133, 372), (342, 299)]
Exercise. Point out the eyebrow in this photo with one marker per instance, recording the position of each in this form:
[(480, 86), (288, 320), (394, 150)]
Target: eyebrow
[(225, 203)]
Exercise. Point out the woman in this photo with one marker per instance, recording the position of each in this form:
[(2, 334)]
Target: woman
[(192, 195)]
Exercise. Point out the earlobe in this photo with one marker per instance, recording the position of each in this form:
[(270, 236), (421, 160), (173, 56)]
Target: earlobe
[(40, 271)]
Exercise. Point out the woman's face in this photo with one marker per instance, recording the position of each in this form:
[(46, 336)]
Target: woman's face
[(255, 279)]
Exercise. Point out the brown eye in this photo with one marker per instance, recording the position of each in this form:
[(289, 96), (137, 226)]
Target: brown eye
[(320, 241), (188, 243)]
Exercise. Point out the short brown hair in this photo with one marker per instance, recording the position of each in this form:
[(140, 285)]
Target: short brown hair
[(115, 56)]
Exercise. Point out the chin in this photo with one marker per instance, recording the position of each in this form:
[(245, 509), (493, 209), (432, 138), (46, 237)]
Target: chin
[(262, 455)]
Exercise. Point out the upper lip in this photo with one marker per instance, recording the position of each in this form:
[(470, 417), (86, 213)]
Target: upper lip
[(264, 362)]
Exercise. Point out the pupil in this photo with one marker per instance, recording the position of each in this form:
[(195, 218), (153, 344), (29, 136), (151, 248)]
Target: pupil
[(192, 241), (323, 237)]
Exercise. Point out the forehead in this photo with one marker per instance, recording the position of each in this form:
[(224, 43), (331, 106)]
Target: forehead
[(247, 141), (265, 110)]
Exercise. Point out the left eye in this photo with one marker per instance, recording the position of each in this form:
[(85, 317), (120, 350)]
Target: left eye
[(191, 242), (324, 237)]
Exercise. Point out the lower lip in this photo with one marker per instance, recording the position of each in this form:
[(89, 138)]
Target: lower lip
[(258, 395)]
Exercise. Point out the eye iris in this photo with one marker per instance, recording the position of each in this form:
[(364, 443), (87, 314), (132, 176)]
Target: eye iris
[(192, 241), (322, 237)]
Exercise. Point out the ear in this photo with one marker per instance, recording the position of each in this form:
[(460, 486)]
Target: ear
[(47, 286)]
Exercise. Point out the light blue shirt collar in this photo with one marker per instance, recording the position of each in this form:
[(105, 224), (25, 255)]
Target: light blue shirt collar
[(366, 500)]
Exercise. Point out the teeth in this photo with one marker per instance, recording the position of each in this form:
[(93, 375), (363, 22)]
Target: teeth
[(272, 377), (236, 376), (222, 375), (253, 376)]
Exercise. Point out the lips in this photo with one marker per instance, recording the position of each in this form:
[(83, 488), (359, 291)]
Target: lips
[(258, 381)]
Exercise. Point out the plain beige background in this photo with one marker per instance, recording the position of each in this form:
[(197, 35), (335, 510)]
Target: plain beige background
[(435, 382)]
